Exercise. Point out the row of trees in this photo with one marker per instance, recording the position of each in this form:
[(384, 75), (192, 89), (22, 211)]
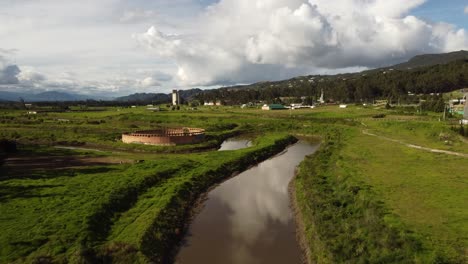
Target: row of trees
[(394, 85)]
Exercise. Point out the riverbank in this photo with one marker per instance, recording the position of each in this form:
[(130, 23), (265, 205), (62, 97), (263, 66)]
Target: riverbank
[(362, 197), (157, 240), (346, 218), (299, 222)]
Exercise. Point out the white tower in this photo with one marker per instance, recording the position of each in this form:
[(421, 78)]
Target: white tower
[(175, 97), (321, 98)]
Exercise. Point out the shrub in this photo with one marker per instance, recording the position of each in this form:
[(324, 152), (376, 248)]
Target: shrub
[(378, 116), (7, 146)]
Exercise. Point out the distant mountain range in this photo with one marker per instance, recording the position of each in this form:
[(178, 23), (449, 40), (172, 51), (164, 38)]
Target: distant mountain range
[(158, 97), (51, 96), (145, 97), (55, 96)]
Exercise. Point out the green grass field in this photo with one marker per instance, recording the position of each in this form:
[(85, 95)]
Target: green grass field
[(363, 198)]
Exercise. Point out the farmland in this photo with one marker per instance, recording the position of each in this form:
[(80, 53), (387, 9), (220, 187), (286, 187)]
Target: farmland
[(73, 192)]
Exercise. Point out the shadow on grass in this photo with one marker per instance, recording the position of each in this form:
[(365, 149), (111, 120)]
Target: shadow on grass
[(8, 192), (10, 173)]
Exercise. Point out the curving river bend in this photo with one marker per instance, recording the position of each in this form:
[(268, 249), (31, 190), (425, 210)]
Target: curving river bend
[(247, 219)]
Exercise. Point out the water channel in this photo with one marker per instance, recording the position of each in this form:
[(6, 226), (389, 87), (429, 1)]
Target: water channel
[(234, 144), (247, 219)]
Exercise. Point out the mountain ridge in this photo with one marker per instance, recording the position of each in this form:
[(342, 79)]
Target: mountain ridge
[(44, 96), (425, 60), (158, 97), (418, 61)]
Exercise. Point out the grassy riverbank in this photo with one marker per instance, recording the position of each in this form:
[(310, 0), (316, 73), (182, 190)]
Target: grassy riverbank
[(363, 198), (132, 211)]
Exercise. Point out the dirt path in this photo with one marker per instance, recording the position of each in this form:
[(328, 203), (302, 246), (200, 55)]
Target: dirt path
[(77, 148), (365, 132)]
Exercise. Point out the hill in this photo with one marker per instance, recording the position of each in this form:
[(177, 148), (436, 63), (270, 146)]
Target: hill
[(58, 96), (424, 74), (50, 96), (432, 59), (158, 97), (144, 97)]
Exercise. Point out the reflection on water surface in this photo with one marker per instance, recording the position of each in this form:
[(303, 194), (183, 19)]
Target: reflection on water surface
[(235, 143), (247, 219)]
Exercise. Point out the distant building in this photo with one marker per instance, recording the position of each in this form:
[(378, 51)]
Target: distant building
[(273, 107), (212, 103), (175, 97), (321, 100), (458, 106), (300, 106), (380, 102), (154, 109), (464, 121)]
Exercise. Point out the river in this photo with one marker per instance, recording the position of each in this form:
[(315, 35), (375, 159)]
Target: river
[(248, 219), (234, 144)]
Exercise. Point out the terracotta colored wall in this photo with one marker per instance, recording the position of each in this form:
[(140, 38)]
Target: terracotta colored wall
[(162, 140)]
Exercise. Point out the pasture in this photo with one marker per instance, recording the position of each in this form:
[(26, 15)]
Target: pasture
[(74, 192)]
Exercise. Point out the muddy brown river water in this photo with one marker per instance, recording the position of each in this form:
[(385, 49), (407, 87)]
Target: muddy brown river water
[(248, 219)]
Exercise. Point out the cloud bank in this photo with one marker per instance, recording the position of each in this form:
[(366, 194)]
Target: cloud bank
[(8, 72), (241, 41)]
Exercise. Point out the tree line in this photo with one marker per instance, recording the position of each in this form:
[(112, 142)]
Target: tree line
[(393, 85)]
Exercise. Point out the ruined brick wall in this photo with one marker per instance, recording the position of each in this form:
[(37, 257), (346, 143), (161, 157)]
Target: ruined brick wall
[(165, 137)]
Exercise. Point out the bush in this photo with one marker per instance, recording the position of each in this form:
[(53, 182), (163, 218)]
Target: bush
[(94, 122), (378, 116), (7, 146)]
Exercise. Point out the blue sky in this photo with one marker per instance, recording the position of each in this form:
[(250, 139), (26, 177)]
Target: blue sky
[(450, 11), (118, 47)]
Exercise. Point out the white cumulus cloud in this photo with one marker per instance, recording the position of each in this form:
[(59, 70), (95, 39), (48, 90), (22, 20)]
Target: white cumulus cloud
[(137, 15), (30, 76), (149, 82), (240, 41)]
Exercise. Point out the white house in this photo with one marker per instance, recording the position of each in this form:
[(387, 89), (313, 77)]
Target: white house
[(464, 121), (212, 103)]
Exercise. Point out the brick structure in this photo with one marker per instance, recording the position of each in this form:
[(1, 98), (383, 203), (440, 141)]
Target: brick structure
[(167, 136)]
